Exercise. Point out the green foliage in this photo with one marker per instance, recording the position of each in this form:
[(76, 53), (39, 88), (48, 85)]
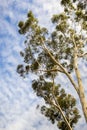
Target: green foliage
[(60, 44), (57, 18), (20, 25), (66, 101), (82, 4), (84, 25), (30, 22), (65, 2)]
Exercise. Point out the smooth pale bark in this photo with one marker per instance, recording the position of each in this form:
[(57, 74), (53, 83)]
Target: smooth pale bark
[(79, 88), (66, 121), (56, 104), (62, 68), (80, 85)]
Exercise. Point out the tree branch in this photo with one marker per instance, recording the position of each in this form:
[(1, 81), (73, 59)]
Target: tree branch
[(62, 68), (82, 55), (51, 70), (56, 104), (59, 108)]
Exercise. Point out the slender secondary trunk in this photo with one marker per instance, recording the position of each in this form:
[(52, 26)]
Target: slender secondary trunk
[(66, 121), (56, 104), (79, 89), (80, 85)]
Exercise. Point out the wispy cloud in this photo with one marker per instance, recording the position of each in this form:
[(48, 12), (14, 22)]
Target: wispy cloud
[(17, 100)]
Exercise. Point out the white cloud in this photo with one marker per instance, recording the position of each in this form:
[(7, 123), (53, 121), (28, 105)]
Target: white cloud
[(17, 100), (31, 120)]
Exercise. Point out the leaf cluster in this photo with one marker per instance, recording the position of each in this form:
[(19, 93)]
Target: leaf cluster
[(66, 101), (61, 45)]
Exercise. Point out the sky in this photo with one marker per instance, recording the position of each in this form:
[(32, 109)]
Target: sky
[(17, 100)]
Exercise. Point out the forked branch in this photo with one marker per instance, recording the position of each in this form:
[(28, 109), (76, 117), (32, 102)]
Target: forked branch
[(59, 65)]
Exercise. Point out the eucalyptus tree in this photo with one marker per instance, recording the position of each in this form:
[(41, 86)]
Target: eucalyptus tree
[(47, 54)]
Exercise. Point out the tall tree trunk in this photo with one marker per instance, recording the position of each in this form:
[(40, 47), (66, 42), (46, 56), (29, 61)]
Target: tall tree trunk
[(80, 86)]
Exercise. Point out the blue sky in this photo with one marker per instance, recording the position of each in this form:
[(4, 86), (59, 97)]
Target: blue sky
[(17, 100)]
